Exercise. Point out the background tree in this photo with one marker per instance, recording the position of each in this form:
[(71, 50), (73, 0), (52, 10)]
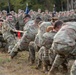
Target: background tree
[(33, 4)]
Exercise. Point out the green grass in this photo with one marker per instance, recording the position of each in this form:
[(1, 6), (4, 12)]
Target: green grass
[(2, 60)]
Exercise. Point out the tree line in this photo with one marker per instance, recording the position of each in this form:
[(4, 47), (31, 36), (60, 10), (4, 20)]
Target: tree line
[(60, 5)]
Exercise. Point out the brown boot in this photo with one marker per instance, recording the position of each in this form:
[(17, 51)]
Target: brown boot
[(53, 71), (65, 68), (39, 63), (32, 62), (45, 67), (13, 54)]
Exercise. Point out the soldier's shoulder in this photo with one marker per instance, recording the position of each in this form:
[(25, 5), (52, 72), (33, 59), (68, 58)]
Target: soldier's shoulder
[(45, 24)]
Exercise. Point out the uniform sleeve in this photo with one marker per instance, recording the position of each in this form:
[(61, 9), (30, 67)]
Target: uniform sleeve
[(71, 33), (4, 28), (72, 36)]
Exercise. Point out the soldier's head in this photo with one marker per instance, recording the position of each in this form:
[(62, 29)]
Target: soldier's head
[(19, 11), (27, 18), (46, 12), (31, 12), (39, 10), (57, 25), (9, 17), (12, 12), (4, 12), (38, 20)]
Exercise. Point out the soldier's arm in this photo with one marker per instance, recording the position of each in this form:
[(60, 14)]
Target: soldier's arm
[(6, 27), (17, 31)]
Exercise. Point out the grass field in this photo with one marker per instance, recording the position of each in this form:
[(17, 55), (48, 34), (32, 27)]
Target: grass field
[(18, 66)]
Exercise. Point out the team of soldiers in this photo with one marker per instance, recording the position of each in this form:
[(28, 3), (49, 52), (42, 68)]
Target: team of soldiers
[(50, 36)]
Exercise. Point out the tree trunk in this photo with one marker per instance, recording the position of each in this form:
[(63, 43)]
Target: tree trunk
[(71, 4), (67, 5)]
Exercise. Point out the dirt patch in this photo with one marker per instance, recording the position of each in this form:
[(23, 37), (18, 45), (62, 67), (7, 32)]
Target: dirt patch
[(18, 66)]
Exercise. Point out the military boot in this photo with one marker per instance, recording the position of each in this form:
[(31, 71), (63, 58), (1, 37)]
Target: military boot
[(53, 71), (39, 63), (13, 54)]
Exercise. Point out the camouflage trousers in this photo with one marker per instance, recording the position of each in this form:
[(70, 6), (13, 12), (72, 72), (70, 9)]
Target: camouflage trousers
[(62, 54), (42, 52), (33, 48), (43, 58), (22, 43), (73, 69), (11, 41), (21, 27)]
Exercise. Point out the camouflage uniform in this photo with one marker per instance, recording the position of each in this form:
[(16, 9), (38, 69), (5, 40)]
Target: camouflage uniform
[(38, 15), (32, 14), (21, 22), (37, 43), (4, 13), (63, 44), (30, 30), (8, 36), (73, 69), (47, 17), (3, 44), (43, 54)]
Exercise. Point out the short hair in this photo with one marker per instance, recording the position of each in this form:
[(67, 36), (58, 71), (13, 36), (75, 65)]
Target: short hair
[(1, 20), (58, 23), (38, 19), (9, 14), (27, 16)]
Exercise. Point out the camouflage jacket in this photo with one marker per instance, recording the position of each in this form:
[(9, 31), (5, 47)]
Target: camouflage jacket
[(67, 34)]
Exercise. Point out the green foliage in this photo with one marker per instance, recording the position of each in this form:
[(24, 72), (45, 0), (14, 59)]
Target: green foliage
[(4, 60), (33, 4)]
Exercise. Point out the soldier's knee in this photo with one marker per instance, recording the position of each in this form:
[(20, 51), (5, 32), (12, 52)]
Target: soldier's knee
[(41, 53), (43, 48), (32, 45), (73, 69)]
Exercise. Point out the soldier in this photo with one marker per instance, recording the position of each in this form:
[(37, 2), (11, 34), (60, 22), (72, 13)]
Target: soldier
[(46, 16), (32, 14), (30, 30), (38, 14), (43, 54), (73, 69), (1, 22), (2, 42), (20, 19), (63, 45), (37, 43), (7, 29), (4, 14)]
